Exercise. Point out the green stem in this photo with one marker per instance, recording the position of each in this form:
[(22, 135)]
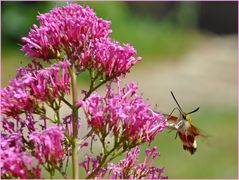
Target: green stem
[(93, 174), (103, 162), (75, 168), (57, 114), (85, 137), (92, 88), (62, 173), (66, 102)]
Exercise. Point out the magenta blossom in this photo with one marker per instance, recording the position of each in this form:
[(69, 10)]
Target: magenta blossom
[(123, 113), (90, 164), (113, 58), (67, 121), (26, 123), (83, 37), (78, 42), (14, 161), (108, 56), (32, 86), (68, 28), (48, 147), (129, 168)]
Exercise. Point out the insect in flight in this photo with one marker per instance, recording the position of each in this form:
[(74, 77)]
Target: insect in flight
[(186, 131)]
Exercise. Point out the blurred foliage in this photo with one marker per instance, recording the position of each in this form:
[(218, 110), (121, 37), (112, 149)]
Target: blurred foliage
[(17, 19)]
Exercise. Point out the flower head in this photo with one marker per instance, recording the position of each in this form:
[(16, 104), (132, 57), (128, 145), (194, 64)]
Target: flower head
[(90, 164), (14, 161), (68, 28), (76, 33), (123, 113), (113, 58), (129, 168), (47, 144), (32, 86)]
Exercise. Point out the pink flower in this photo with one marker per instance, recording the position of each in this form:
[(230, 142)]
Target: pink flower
[(7, 125), (129, 168), (67, 121), (123, 113), (108, 56), (47, 145), (15, 98), (79, 41), (78, 34), (90, 164), (113, 58), (123, 169), (14, 161), (68, 29), (24, 123), (32, 86)]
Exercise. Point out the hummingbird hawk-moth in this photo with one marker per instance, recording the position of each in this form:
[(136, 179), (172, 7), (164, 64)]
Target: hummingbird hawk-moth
[(185, 128)]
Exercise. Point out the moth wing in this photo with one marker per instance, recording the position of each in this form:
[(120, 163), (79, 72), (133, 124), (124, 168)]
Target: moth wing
[(189, 142), (198, 132)]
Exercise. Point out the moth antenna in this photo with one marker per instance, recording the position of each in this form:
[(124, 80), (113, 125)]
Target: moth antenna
[(194, 110), (173, 111), (177, 102)]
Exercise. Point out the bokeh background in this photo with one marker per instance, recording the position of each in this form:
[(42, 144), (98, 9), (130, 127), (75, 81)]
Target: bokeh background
[(187, 47)]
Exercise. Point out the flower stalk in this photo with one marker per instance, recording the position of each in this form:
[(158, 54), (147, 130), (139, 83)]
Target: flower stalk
[(75, 169)]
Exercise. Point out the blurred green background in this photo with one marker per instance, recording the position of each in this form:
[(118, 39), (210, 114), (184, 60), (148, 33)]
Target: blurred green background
[(187, 47)]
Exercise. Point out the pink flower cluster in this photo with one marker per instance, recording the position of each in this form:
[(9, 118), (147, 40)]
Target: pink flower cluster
[(113, 58), (129, 168), (124, 114), (75, 38), (90, 164), (79, 34), (32, 86), (14, 161), (108, 57), (68, 28), (47, 145)]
